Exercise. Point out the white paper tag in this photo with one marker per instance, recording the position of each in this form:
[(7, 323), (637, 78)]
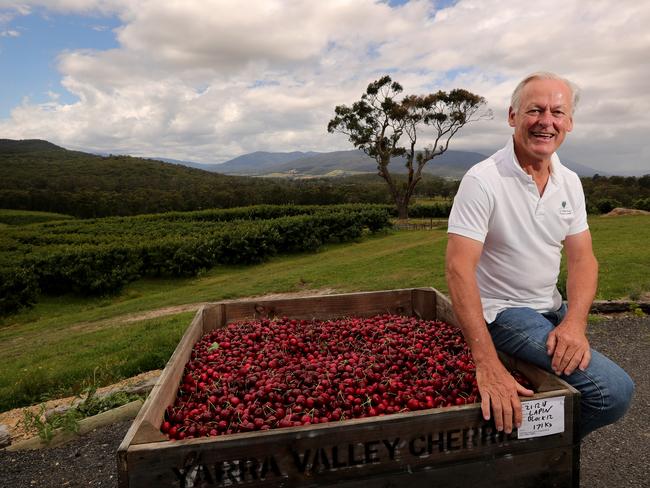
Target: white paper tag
[(541, 417)]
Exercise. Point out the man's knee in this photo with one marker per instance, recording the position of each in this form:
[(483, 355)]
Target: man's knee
[(606, 402), (620, 398)]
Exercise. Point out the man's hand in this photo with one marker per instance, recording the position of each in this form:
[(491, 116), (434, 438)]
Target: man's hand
[(569, 347), (500, 393)]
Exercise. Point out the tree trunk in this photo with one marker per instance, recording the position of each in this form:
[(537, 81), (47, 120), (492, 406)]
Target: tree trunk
[(402, 210)]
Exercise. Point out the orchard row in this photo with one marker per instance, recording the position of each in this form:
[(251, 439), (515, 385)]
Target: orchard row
[(100, 256)]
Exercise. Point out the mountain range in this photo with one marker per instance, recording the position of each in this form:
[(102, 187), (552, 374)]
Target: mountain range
[(297, 164), (452, 164)]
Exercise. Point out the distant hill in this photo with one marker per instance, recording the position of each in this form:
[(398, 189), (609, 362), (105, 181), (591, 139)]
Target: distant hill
[(247, 164), (452, 164), (189, 164), (40, 176), (581, 169), (338, 163), (11, 146), (255, 162)]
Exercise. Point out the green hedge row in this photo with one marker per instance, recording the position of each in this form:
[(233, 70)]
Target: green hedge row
[(162, 226), (438, 210), (92, 260), (25, 217)]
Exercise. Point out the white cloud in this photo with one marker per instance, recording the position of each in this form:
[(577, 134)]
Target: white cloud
[(208, 80)]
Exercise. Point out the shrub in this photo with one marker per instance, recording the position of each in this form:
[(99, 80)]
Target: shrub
[(18, 289), (642, 204), (605, 205), (87, 270)]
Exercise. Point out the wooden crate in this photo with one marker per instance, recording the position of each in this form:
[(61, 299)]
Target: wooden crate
[(451, 447)]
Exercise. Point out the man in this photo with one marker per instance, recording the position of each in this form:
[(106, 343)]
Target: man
[(511, 217)]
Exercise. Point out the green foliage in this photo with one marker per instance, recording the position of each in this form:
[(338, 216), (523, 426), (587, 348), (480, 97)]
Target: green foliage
[(604, 193), (85, 269), (68, 421), (636, 310), (46, 427), (18, 288), (94, 404), (606, 205), (642, 204), (98, 257), (24, 217), (435, 210)]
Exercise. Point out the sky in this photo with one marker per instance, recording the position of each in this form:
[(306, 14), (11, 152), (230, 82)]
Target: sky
[(209, 80)]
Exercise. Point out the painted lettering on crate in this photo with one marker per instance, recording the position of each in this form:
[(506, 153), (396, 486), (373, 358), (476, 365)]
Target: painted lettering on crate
[(316, 460), (457, 439), (228, 473)]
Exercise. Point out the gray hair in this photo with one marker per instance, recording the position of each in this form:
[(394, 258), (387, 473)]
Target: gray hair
[(545, 75)]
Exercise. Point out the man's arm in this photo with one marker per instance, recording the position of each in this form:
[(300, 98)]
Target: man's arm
[(568, 343), (499, 390)]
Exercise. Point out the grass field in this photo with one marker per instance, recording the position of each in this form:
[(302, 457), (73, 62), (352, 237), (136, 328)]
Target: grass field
[(55, 348), (621, 246)]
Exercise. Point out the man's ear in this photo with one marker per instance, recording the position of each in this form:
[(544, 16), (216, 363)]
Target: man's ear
[(570, 124), (511, 117)]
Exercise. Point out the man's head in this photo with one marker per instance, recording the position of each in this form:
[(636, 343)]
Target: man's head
[(541, 113)]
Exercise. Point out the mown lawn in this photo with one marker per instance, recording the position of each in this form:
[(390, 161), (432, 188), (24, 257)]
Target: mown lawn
[(58, 346), (622, 249)]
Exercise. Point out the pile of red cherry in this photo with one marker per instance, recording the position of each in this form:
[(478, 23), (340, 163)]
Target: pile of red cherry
[(265, 374)]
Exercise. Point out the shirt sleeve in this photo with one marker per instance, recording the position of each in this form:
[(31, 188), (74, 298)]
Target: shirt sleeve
[(579, 223), (471, 210)]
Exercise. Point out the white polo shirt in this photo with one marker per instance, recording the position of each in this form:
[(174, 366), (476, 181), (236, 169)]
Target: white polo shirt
[(499, 205)]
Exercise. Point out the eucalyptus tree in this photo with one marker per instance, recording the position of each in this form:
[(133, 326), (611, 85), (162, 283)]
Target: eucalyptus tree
[(385, 128)]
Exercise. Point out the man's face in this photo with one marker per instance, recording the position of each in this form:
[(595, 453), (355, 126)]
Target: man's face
[(542, 120)]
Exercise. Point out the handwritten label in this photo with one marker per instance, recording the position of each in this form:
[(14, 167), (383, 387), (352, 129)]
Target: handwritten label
[(541, 417)]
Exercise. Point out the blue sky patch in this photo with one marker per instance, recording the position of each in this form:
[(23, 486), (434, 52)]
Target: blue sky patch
[(28, 62)]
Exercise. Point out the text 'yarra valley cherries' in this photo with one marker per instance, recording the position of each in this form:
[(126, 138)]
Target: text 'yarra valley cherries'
[(266, 374)]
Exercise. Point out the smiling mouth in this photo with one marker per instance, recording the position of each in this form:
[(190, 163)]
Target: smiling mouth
[(543, 135)]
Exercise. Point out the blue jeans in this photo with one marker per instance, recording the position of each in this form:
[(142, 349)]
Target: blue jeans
[(605, 388)]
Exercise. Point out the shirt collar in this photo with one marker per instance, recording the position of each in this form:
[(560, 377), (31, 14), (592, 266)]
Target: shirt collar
[(518, 171)]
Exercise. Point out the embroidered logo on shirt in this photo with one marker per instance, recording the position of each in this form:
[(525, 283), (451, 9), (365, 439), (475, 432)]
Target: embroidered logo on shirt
[(564, 210)]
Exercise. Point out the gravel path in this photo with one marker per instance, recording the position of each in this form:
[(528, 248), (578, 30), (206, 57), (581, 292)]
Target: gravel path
[(615, 456), (89, 462)]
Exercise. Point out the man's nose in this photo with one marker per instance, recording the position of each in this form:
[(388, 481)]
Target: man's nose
[(545, 117)]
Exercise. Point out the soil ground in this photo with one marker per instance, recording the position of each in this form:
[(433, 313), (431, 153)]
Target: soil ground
[(615, 456)]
